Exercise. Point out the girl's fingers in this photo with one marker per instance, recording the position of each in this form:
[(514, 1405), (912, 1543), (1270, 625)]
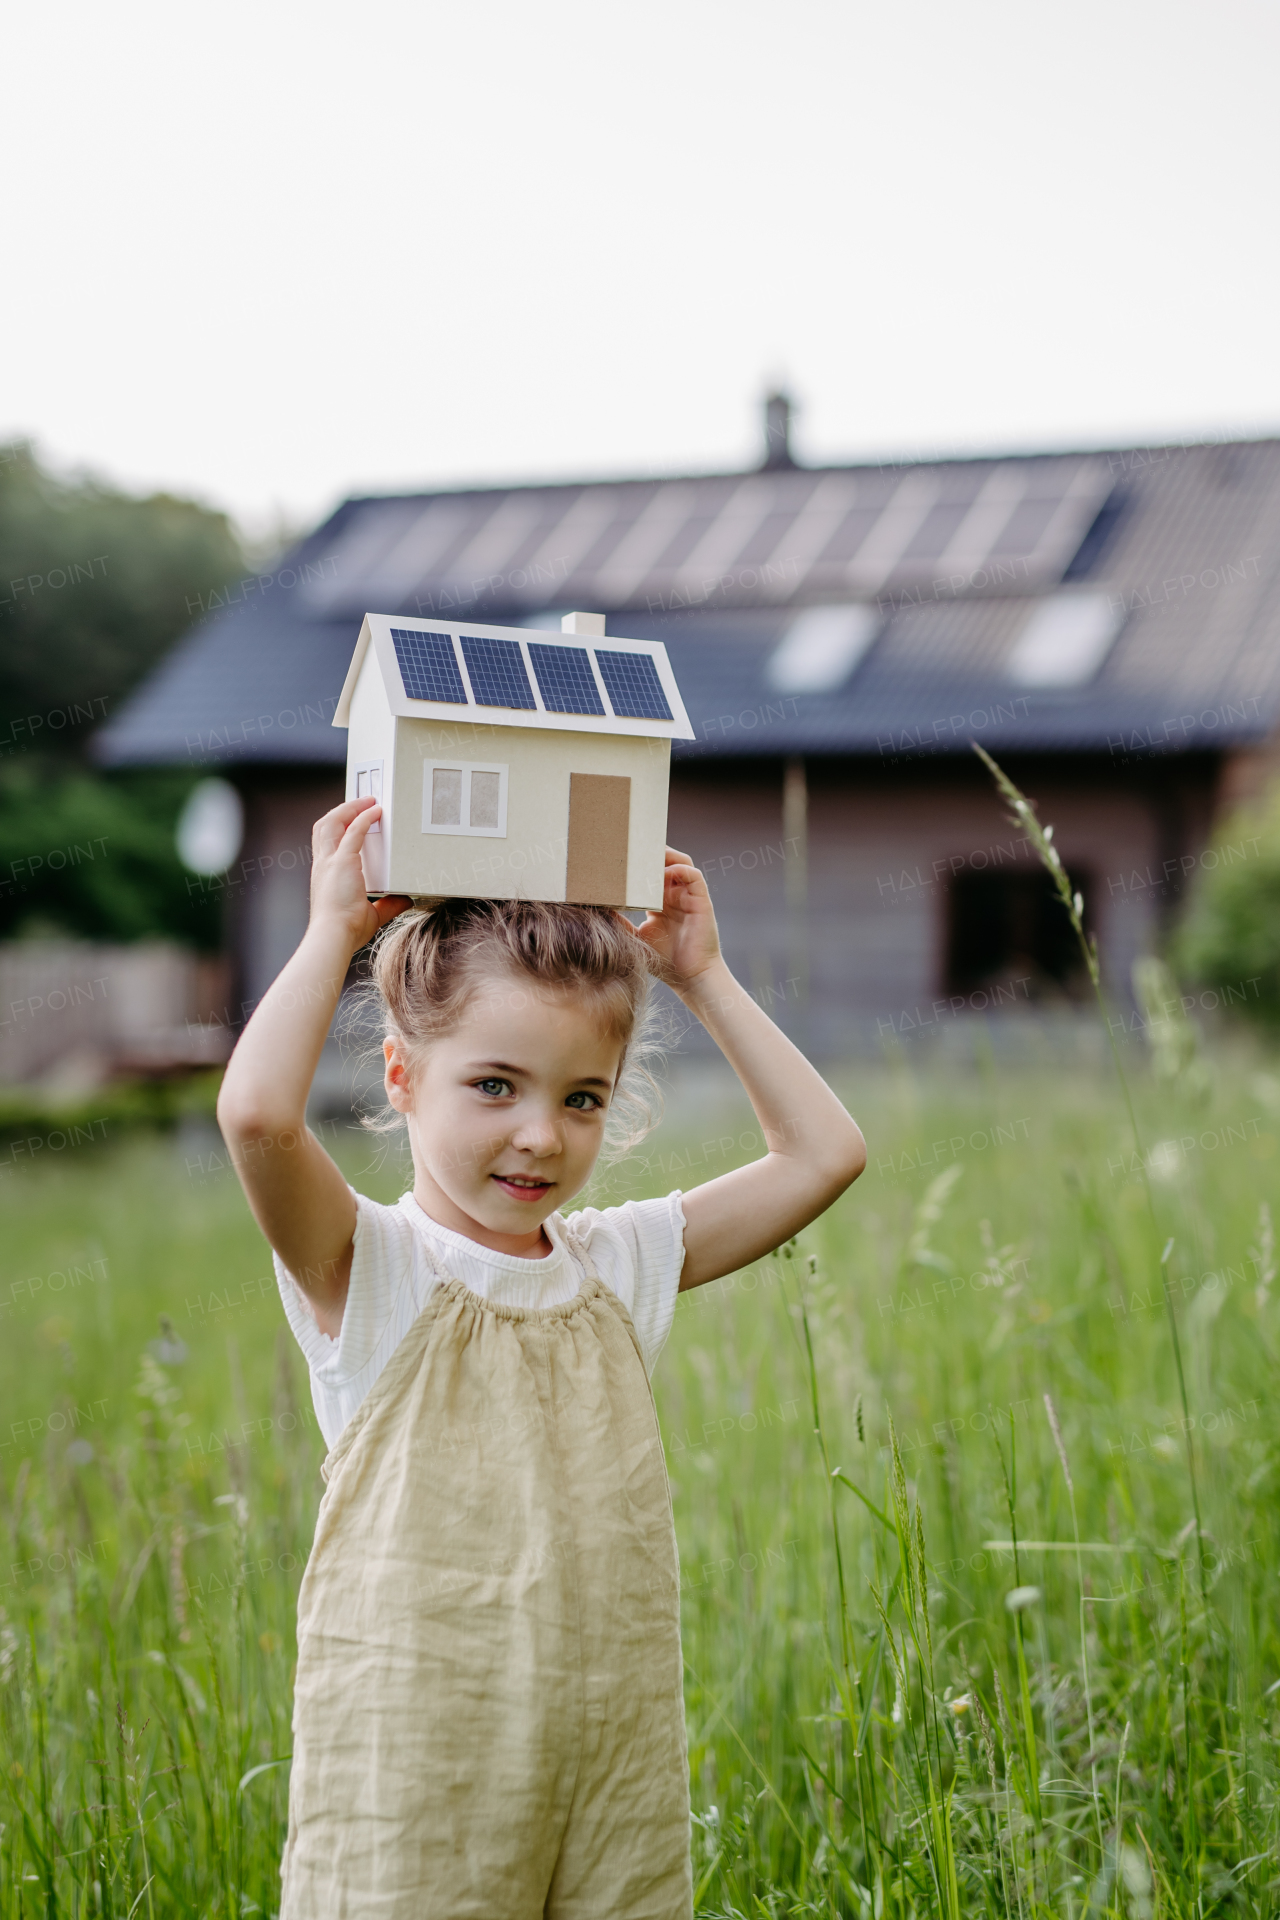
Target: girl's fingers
[(347, 811), (328, 830), (389, 906), (360, 823)]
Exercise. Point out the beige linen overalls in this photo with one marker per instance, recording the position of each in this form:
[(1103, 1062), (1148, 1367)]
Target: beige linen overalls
[(489, 1718)]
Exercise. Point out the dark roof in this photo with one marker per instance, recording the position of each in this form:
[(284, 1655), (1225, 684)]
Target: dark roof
[(955, 556)]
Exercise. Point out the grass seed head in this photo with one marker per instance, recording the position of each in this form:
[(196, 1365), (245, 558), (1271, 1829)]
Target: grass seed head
[(986, 1734), (1052, 1412)]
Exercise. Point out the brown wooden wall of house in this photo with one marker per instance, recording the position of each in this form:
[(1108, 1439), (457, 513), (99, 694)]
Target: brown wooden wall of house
[(847, 940), (839, 925), (268, 895)]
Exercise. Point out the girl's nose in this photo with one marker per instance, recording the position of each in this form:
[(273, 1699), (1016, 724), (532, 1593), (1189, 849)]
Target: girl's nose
[(537, 1135)]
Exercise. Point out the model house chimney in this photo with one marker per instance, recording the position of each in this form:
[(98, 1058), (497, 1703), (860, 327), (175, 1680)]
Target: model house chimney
[(777, 431)]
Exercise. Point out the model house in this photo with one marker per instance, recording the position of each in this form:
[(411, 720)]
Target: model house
[(512, 763)]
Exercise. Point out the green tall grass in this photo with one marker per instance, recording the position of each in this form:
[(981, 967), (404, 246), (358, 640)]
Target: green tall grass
[(948, 1651)]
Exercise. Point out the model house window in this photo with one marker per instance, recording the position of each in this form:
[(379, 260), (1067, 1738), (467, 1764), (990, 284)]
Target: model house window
[(369, 780), (464, 796)]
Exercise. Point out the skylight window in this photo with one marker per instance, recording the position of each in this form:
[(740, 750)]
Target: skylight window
[(821, 648), (1065, 641)]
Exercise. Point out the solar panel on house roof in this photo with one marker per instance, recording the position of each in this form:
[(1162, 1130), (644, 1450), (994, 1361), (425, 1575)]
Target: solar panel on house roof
[(498, 678), (789, 535), (565, 679), (633, 686), (427, 666)]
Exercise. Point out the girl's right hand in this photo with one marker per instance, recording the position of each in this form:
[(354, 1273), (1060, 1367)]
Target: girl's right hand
[(338, 893), (683, 931)]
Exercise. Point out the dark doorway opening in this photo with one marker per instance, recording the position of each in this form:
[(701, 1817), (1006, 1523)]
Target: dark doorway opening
[(1007, 928)]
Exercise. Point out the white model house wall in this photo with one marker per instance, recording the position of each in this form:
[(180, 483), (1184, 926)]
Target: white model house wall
[(530, 861), (370, 743)]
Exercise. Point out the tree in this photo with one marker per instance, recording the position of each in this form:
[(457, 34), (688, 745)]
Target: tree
[(95, 585), (1231, 937)]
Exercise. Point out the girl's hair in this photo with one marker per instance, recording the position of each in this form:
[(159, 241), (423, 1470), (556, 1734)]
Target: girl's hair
[(427, 965)]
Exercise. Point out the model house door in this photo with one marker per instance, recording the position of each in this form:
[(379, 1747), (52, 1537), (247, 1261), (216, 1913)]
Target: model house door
[(599, 823)]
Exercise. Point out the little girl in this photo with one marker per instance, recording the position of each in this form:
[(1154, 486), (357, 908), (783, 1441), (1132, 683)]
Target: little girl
[(488, 1717)]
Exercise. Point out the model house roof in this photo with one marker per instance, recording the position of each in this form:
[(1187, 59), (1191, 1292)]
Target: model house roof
[(1061, 602), (505, 677)]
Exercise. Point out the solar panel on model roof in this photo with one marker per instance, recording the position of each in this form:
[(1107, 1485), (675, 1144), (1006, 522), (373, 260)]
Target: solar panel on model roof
[(632, 683), (428, 667), (565, 679), (498, 678)]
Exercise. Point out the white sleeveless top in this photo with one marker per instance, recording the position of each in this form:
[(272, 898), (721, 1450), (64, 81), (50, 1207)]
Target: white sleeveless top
[(636, 1250)]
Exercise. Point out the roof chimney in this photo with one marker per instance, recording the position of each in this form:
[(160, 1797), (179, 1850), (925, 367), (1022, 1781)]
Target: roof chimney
[(777, 431)]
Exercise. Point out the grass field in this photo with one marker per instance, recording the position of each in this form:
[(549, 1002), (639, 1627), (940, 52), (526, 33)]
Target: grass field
[(893, 1708)]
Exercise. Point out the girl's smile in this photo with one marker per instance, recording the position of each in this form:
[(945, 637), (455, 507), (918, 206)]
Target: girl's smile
[(521, 1186)]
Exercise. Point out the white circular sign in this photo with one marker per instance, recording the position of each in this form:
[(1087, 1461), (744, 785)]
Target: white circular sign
[(210, 827)]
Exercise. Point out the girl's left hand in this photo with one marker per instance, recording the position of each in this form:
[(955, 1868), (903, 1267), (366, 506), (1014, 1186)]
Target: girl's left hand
[(684, 933)]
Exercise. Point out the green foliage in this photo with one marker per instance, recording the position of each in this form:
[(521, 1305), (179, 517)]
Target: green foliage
[(873, 1728), (1173, 1040), (1230, 939), (115, 1108), (95, 586), (94, 855)]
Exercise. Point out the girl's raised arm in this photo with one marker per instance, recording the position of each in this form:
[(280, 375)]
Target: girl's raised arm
[(814, 1149), (298, 1197)]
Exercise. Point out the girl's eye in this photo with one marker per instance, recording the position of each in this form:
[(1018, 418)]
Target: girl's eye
[(494, 1088), (583, 1102)]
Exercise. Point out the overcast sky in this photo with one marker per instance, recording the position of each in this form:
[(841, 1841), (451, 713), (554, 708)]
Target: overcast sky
[(274, 254)]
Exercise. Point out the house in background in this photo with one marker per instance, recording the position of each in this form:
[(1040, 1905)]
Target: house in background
[(1105, 623)]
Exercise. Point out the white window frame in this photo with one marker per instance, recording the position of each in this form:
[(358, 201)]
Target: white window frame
[(374, 770), (466, 768)]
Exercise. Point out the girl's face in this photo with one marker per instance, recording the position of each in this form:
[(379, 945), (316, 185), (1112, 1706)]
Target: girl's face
[(506, 1112)]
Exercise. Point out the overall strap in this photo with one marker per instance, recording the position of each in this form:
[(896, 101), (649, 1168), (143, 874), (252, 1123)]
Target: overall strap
[(432, 1257), (577, 1246)]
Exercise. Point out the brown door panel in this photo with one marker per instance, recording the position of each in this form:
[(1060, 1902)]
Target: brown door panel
[(599, 824)]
